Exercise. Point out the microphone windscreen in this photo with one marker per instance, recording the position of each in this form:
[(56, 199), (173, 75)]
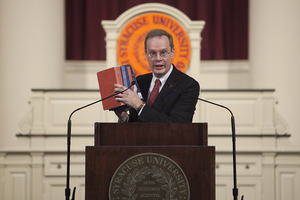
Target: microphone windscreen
[(133, 83)]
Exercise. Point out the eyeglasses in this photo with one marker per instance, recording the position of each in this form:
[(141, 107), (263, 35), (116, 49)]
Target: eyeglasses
[(162, 54)]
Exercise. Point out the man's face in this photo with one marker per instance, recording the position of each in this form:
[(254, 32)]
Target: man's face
[(159, 45)]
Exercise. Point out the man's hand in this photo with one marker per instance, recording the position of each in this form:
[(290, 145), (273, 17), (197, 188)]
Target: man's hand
[(128, 97)]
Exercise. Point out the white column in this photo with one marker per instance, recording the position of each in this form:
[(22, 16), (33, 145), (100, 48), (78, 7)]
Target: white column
[(37, 176), (275, 55), (31, 56)]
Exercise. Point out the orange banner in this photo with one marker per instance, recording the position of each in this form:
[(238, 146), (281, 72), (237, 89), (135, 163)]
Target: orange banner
[(130, 46)]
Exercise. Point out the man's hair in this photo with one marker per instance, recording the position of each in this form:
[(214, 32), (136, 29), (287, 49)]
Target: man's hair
[(158, 33)]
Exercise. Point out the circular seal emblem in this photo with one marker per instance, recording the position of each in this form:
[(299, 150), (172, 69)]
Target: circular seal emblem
[(149, 176), (130, 44)]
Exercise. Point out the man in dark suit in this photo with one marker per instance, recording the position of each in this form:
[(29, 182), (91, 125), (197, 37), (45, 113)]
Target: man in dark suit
[(168, 105)]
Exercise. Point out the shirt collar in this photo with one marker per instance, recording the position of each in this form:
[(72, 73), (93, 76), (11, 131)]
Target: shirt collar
[(164, 78)]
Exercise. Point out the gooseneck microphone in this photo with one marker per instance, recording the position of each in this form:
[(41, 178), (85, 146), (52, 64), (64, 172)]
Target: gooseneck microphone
[(235, 189), (67, 190)]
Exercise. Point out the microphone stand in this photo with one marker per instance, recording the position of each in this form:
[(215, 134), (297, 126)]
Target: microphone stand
[(235, 189), (67, 190)]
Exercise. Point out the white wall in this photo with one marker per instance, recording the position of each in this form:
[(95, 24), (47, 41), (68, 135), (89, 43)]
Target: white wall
[(274, 55), (31, 56)]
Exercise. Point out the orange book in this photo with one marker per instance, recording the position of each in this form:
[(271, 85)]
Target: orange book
[(106, 80), (122, 75)]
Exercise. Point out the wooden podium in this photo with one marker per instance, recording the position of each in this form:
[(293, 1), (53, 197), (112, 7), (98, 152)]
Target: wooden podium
[(184, 143)]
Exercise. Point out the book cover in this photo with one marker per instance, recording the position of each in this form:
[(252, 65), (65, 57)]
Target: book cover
[(106, 80)]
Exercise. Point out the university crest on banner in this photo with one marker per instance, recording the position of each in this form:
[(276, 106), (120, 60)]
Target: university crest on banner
[(130, 44)]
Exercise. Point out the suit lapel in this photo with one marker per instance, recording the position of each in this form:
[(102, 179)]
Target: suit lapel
[(144, 84)]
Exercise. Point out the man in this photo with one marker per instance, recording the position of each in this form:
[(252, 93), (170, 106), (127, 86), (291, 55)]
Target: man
[(169, 105)]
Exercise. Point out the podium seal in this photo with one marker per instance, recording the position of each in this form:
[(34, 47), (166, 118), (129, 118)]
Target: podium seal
[(149, 176)]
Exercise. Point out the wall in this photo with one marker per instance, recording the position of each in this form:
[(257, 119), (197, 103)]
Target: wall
[(274, 55), (31, 56)]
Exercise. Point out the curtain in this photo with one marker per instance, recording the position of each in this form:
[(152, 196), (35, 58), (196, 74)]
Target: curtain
[(224, 37)]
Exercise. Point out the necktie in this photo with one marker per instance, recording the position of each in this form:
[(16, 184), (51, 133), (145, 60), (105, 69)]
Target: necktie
[(154, 92)]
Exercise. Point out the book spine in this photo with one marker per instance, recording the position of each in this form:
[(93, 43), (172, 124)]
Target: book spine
[(129, 74), (126, 81), (136, 83), (119, 79), (121, 73)]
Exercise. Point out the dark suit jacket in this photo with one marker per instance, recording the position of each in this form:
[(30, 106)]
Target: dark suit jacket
[(169, 106)]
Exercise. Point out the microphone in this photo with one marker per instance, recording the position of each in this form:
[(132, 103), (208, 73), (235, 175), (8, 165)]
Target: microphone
[(67, 190), (235, 189)]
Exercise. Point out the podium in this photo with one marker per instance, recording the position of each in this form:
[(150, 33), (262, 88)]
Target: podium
[(183, 143)]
